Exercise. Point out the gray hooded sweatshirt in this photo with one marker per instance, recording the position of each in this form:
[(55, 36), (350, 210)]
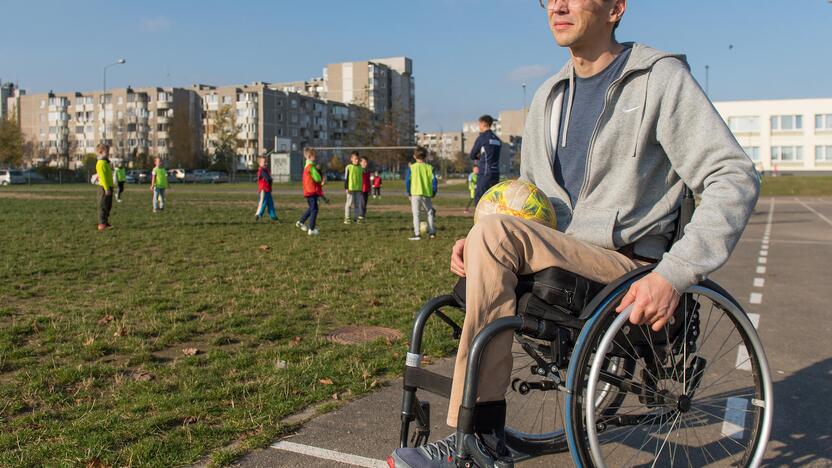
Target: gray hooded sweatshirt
[(657, 132)]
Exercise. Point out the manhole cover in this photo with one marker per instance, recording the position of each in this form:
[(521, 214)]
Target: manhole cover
[(355, 335)]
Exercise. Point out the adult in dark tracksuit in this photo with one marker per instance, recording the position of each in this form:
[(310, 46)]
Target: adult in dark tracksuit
[(486, 151)]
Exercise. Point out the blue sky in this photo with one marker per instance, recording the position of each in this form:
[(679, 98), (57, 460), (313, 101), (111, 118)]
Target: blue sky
[(470, 56)]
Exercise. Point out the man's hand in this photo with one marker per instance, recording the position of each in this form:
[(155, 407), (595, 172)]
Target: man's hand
[(654, 301), (457, 261)]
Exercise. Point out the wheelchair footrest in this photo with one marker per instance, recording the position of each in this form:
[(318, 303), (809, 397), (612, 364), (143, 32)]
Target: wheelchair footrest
[(415, 377)]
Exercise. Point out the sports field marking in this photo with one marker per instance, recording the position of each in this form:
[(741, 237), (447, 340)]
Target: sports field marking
[(743, 360), (756, 298), (761, 270), (764, 253), (759, 282), (330, 455), (828, 221), (762, 260)]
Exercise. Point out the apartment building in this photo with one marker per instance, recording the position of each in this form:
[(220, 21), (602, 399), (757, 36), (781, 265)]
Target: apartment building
[(65, 126), (385, 86), (443, 145), (9, 96), (783, 135)]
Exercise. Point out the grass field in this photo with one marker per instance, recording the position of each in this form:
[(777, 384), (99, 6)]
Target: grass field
[(93, 325), (807, 186)]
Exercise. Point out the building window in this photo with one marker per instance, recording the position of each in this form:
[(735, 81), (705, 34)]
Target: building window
[(786, 153), (823, 153), (823, 122), (748, 124), (786, 122), (226, 99), (753, 152)]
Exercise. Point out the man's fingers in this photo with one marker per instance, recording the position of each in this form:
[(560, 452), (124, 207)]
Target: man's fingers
[(659, 324), (628, 299)]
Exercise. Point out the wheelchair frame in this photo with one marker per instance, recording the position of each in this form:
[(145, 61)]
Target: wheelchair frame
[(417, 378)]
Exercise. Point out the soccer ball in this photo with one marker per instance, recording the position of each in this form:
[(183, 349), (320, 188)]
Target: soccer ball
[(517, 198)]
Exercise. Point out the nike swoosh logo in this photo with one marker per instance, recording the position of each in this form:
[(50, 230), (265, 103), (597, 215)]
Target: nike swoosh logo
[(627, 111)]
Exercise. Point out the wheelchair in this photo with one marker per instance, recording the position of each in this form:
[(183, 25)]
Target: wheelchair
[(584, 380)]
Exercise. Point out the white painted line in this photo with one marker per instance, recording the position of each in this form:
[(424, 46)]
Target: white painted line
[(331, 455), (756, 298), (761, 270), (764, 253), (762, 260), (828, 221), (759, 282), (734, 424), (743, 360)]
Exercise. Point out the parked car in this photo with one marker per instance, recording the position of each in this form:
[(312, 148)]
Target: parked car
[(180, 175), (200, 175), (32, 176), (130, 178), (216, 177), (140, 176), (9, 177)]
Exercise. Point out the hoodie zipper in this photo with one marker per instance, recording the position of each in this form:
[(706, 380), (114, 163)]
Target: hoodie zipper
[(613, 86)]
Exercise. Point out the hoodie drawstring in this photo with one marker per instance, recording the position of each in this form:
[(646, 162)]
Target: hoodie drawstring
[(568, 106)]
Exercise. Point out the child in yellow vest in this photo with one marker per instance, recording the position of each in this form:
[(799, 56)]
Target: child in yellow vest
[(421, 188)]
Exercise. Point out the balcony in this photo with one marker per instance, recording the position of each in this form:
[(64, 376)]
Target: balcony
[(164, 104), (247, 135), (161, 134)]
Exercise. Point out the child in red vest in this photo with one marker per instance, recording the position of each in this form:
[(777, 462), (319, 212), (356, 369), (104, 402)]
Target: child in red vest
[(376, 185), (312, 189), (264, 186)]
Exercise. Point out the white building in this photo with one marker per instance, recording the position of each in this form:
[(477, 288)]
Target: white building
[(783, 135)]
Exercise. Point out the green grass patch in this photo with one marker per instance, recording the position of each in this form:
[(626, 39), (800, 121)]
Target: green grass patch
[(807, 186), (93, 325)]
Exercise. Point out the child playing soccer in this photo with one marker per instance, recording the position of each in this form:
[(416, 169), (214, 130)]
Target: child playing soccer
[(421, 188), (472, 187), (121, 177), (376, 185), (353, 178), (264, 188), (105, 181), (312, 189), (365, 186), (158, 185)]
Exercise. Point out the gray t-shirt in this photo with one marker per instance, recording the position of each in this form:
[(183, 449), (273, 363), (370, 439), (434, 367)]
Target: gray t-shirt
[(570, 161)]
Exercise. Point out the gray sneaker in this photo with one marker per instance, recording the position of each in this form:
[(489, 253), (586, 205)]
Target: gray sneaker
[(440, 454)]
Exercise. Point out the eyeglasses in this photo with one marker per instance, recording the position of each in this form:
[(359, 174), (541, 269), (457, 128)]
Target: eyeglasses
[(550, 4)]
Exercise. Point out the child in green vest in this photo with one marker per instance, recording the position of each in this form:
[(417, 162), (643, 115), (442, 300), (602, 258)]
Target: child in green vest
[(472, 187), (353, 180), (121, 177), (158, 185), (421, 188)]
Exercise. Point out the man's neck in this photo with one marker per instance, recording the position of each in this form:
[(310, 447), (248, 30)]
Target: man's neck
[(591, 59)]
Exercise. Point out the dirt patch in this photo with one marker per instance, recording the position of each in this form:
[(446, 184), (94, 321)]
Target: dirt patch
[(361, 334)]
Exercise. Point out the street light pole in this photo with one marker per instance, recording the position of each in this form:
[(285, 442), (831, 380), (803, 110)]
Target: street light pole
[(524, 100), (104, 97), (707, 80)]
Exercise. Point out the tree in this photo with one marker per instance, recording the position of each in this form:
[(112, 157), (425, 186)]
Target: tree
[(461, 162), (11, 143), (224, 132), (336, 165), (182, 139)]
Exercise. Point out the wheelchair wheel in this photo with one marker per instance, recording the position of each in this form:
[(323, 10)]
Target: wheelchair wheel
[(535, 399), (699, 393)]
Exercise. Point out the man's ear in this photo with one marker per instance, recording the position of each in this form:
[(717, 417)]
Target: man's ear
[(618, 9)]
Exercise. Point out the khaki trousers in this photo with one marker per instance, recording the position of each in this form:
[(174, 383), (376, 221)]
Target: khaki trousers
[(498, 248)]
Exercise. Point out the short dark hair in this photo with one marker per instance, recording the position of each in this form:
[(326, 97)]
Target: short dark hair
[(487, 119), (420, 153), (355, 153)]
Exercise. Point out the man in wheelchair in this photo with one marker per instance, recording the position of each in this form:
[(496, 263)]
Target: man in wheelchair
[(613, 139)]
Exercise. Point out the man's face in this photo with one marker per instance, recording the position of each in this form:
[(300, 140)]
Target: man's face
[(578, 22), (484, 127)]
